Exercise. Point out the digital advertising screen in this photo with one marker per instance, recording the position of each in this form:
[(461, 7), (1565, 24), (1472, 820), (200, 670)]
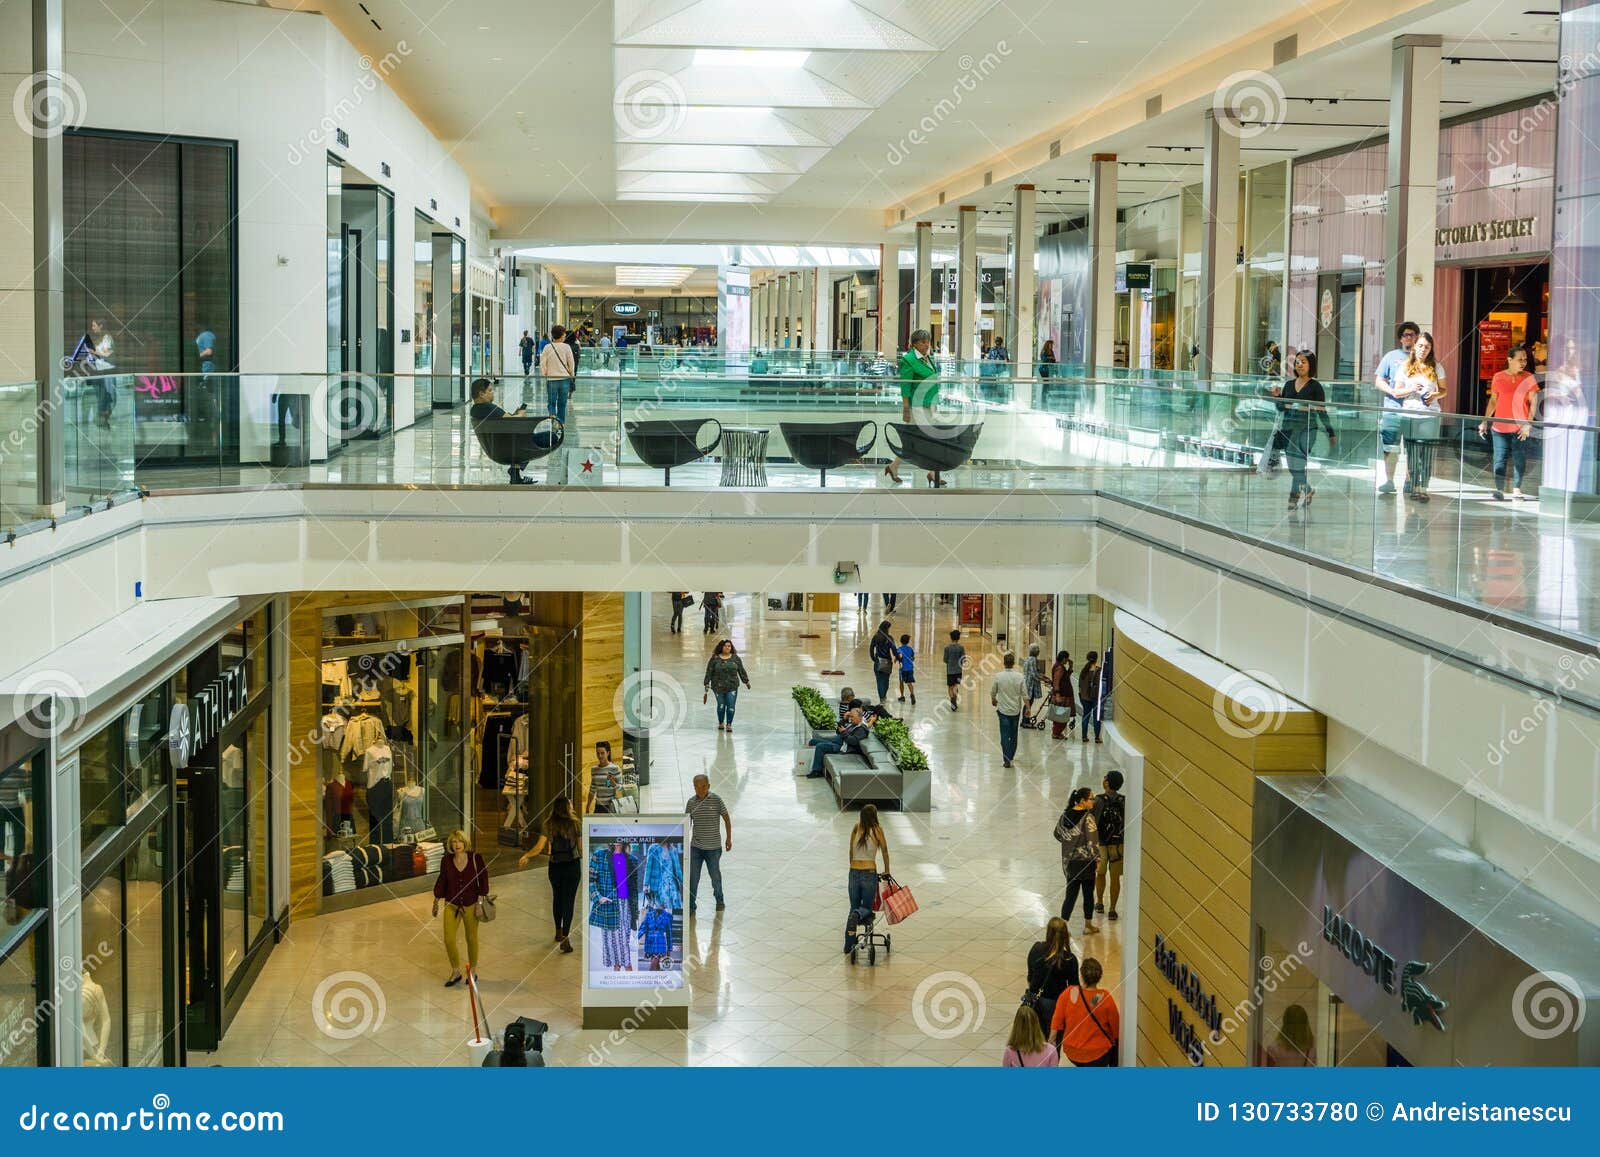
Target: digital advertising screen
[(634, 905)]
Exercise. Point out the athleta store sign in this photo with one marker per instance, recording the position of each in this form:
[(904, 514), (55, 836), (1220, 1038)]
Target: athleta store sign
[(197, 722)]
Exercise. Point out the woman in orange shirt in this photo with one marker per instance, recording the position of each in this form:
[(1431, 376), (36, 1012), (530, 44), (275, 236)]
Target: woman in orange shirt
[(1086, 1025), (1513, 400)]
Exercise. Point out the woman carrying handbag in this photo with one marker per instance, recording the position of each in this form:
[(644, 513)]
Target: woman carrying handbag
[(1063, 712), (463, 888)]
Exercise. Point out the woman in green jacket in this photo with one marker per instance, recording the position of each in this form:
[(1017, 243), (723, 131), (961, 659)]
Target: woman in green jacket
[(919, 390)]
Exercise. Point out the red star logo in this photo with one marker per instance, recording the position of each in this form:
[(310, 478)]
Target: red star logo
[(588, 466)]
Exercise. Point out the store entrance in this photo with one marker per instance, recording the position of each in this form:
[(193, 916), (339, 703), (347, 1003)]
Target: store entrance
[(1502, 306)]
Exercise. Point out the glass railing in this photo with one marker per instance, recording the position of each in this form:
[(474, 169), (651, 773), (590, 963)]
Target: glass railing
[(19, 423), (1218, 453)]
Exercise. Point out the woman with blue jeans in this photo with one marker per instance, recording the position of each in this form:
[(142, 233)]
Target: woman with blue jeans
[(867, 842), (724, 673)]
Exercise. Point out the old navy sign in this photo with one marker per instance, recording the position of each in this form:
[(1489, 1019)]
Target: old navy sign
[(199, 721), (1193, 991), (624, 308), (1475, 233)]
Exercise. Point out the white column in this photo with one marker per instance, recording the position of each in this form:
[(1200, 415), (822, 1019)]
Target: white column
[(1020, 328), (791, 309), (965, 345), (1219, 244), (822, 310), (808, 309), (1100, 324), (780, 303), (1412, 185), (1136, 310), (924, 279), (31, 320), (766, 312), (889, 300)]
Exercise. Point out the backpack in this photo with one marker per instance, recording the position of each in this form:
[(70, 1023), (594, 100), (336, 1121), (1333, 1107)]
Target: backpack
[(1112, 817)]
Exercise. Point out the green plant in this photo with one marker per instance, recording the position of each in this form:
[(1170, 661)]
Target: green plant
[(896, 736), (818, 715)]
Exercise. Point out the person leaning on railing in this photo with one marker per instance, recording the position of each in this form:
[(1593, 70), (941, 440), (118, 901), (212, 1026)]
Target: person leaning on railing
[(919, 390)]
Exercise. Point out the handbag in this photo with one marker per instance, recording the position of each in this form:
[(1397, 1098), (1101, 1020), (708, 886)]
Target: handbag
[(487, 903), (897, 901), (1060, 713)]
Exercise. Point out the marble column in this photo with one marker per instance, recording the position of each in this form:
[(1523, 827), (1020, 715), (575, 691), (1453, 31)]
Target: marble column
[(1100, 323), (1219, 245), (924, 278), (1020, 335), (965, 345), (889, 300), (1412, 186)]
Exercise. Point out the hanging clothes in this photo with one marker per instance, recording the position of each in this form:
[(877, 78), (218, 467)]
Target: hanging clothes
[(360, 733), (499, 670), (496, 734), (517, 749), (663, 876)]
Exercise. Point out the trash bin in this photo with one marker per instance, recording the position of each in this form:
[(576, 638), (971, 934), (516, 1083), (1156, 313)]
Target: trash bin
[(292, 446), (636, 742)]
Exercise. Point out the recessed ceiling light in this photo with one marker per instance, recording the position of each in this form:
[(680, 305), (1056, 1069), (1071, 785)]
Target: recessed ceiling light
[(749, 58)]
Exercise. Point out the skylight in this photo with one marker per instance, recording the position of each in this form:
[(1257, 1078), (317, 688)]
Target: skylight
[(653, 276), (749, 58)]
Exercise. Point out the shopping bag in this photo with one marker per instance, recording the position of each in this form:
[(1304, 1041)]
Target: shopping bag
[(897, 901)]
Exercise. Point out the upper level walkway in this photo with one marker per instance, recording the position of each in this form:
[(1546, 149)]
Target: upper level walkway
[(1195, 451)]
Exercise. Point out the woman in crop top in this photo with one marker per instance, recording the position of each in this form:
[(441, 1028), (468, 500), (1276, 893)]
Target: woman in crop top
[(867, 843)]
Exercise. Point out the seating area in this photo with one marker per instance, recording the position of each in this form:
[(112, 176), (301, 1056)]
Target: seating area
[(873, 776)]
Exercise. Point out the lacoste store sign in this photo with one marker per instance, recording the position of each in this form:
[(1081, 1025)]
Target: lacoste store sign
[(1477, 232), (1416, 999)]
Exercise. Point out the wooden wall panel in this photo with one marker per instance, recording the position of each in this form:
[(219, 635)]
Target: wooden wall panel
[(603, 672), (1196, 835)]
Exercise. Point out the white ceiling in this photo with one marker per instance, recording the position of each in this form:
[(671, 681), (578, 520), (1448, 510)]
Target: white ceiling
[(896, 100)]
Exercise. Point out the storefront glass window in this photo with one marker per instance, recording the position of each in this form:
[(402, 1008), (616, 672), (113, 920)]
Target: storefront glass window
[(100, 784), (243, 765), (149, 228), (23, 879), (142, 949), (257, 776), (1267, 192), (21, 1011), (102, 973), (144, 737)]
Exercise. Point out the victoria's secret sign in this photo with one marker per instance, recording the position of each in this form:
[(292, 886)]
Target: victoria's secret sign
[(1477, 232)]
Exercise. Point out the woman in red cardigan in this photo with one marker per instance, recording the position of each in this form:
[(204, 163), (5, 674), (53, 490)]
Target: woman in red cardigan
[(462, 884)]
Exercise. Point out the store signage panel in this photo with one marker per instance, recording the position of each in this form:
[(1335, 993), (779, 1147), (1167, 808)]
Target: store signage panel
[(1398, 929), (1193, 992), (1139, 275), (624, 308), (200, 720)]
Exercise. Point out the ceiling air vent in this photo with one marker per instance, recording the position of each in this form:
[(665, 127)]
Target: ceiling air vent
[(988, 177), (941, 198), (1055, 149), (1152, 107), (1286, 50)]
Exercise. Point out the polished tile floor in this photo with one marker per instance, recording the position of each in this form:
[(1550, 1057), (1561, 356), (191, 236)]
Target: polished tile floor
[(769, 985)]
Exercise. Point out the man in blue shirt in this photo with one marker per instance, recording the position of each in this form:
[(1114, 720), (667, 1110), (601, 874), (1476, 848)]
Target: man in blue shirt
[(205, 344), (1387, 379)]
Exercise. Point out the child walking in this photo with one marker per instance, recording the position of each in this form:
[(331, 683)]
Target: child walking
[(908, 669)]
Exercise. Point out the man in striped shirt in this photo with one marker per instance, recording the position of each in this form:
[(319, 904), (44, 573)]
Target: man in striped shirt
[(704, 809)]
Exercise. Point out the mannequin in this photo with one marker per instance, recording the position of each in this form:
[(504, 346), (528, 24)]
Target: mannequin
[(338, 805), (96, 1024), (413, 809), (378, 763)]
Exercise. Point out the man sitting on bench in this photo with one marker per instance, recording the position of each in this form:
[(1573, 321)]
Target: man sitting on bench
[(484, 409), (852, 734)]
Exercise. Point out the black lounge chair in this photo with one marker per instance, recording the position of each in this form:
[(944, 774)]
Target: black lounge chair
[(827, 446), (515, 442), (663, 443), (934, 447)]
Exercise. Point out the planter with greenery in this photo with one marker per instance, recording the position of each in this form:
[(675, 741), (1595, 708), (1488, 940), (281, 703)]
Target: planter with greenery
[(814, 709), (896, 736)]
